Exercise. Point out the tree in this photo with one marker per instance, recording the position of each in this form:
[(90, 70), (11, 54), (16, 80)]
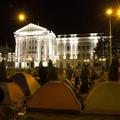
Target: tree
[(102, 48)]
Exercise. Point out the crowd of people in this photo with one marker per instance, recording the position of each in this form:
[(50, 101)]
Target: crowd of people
[(47, 73), (84, 78)]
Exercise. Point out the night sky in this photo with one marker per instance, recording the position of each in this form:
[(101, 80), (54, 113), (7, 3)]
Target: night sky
[(60, 16)]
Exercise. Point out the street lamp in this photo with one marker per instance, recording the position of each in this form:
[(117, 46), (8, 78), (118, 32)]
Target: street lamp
[(109, 12)]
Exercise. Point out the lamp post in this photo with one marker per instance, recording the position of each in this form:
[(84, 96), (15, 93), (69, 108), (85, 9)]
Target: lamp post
[(109, 12), (110, 35)]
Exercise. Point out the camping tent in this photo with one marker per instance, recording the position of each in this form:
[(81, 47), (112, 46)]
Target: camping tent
[(104, 99), (54, 96), (26, 81), (15, 93)]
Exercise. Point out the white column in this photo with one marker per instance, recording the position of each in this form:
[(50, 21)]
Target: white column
[(44, 50), (16, 48), (19, 52), (58, 49), (64, 42), (76, 48), (38, 49), (71, 49), (50, 48)]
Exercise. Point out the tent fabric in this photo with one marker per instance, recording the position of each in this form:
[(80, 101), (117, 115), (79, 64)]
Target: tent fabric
[(69, 83), (15, 93), (104, 99), (3, 86), (27, 82), (54, 96), (32, 83)]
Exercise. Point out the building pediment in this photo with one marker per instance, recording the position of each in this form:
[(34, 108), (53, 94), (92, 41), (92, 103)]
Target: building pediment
[(31, 29)]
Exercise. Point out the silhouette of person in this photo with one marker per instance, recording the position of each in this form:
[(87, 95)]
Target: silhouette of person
[(69, 72), (2, 71), (114, 71), (51, 72), (42, 73), (84, 79), (4, 109), (76, 75)]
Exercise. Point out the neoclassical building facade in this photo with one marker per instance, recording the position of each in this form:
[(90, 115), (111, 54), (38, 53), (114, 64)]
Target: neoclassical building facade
[(35, 44)]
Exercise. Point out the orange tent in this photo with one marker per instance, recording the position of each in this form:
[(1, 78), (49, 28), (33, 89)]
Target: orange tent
[(15, 93), (54, 96), (26, 81)]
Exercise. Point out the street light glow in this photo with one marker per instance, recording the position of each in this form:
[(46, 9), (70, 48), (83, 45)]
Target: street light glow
[(21, 17), (109, 11), (118, 12)]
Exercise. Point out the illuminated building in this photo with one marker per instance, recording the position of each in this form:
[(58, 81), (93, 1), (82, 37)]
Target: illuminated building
[(76, 48), (35, 43)]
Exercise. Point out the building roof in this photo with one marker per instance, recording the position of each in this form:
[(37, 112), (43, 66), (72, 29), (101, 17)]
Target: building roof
[(31, 29)]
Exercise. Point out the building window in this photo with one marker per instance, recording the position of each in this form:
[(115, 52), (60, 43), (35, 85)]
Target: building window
[(88, 47), (83, 48), (79, 48), (68, 48)]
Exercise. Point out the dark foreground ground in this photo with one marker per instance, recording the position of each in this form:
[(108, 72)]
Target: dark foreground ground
[(64, 116)]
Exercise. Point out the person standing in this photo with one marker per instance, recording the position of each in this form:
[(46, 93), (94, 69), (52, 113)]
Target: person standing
[(92, 76), (51, 72), (119, 68), (76, 75), (114, 71), (42, 74), (84, 79), (69, 72)]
